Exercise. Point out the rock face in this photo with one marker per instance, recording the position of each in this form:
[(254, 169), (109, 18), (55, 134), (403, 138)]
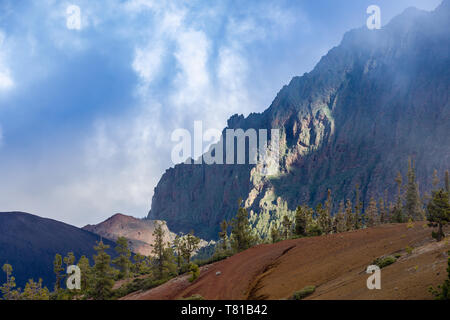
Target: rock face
[(377, 99), (29, 243), (139, 232)]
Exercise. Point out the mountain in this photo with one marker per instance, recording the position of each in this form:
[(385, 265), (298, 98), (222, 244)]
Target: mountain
[(29, 243), (372, 102), (139, 232)]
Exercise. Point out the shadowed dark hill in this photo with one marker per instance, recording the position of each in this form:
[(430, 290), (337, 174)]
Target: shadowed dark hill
[(29, 243)]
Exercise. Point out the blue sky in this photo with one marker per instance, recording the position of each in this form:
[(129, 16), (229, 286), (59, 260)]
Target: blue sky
[(86, 114)]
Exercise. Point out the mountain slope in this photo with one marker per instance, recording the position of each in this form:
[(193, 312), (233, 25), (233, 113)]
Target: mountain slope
[(335, 264), (139, 232), (378, 98), (29, 243)]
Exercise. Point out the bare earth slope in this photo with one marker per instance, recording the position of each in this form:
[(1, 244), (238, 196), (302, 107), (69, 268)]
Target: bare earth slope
[(335, 264)]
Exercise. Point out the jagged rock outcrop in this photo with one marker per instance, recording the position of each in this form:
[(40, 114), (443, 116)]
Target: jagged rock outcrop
[(379, 97)]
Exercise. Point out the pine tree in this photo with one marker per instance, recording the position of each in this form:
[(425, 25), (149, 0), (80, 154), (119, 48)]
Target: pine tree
[(57, 269), (349, 217), (372, 213), (69, 259), (241, 232), (223, 235), (399, 181), (396, 212), (189, 244), (447, 182), (340, 219), (274, 234), (158, 249), (383, 215), (358, 219), (35, 291), (169, 263), (8, 288), (412, 206), (123, 260), (325, 220), (387, 205), (287, 224), (140, 265), (86, 271), (435, 180), (322, 219), (177, 244), (102, 274), (438, 210), (301, 221), (421, 215), (195, 272), (312, 228)]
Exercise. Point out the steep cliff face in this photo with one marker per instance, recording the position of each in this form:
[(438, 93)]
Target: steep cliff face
[(378, 98)]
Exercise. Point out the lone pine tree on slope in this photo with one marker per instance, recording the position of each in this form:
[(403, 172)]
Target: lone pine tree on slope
[(242, 236), (438, 210), (413, 206)]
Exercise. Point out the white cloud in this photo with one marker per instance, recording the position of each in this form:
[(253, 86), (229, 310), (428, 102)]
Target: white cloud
[(147, 62), (232, 72), (6, 81), (192, 80), (1, 137), (138, 5), (122, 158), (73, 17)]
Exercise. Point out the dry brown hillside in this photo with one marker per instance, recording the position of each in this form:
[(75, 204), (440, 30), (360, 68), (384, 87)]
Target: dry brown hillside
[(139, 232), (335, 264)]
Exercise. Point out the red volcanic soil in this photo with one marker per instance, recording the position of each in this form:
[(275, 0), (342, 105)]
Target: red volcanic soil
[(335, 264)]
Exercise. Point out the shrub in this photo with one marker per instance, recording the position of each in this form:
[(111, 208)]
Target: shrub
[(217, 256), (195, 272), (443, 291), (137, 285), (384, 261), (314, 231), (302, 294), (410, 224), (409, 250), (194, 297)]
